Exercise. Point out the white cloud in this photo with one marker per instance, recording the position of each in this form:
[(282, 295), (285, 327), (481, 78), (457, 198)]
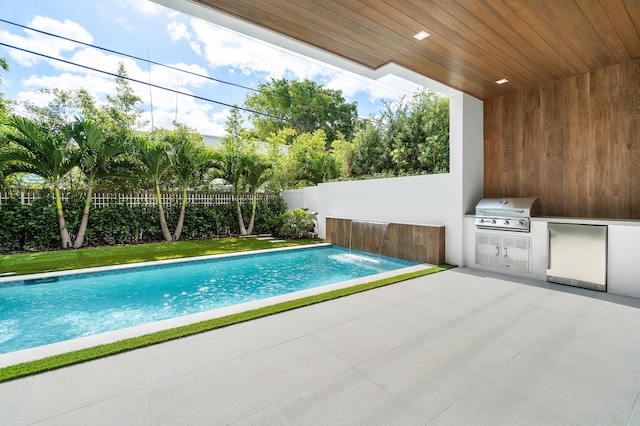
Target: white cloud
[(225, 48), (178, 31), (146, 7), (192, 112), (67, 29), (206, 123), (388, 87), (168, 77), (195, 46), (98, 86), (45, 44)]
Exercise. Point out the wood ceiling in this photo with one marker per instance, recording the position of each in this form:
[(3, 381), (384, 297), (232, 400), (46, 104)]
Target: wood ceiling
[(473, 43)]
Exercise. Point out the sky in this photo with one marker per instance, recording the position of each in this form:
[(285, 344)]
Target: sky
[(145, 29)]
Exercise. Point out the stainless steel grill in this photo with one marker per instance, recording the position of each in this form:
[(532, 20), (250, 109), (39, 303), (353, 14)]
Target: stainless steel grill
[(507, 214)]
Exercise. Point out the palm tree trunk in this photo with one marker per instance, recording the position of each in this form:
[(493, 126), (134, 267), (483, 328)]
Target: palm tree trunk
[(163, 221), (243, 231), (183, 208), (253, 215), (85, 220), (64, 233)]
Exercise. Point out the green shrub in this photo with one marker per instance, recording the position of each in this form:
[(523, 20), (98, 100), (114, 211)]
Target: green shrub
[(31, 227), (297, 223), (34, 227), (270, 216)]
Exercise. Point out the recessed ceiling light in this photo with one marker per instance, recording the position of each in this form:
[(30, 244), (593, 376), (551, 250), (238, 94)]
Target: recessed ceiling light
[(502, 81), (421, 35)]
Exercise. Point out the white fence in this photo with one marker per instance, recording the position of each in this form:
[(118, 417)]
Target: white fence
[(101, 199)]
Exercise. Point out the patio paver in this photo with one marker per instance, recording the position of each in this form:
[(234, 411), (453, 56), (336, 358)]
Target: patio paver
[(458, 347)]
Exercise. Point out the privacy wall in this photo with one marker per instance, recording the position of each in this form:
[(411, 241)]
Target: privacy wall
[(575, 143)]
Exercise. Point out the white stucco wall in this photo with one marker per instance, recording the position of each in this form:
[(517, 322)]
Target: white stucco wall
[(423, 200), (294, 198)]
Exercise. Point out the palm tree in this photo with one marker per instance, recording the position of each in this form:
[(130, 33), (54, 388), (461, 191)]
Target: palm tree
[(255, 175), (230, 167), (97, 159), (44, 153), (191, 161), (155, 163)]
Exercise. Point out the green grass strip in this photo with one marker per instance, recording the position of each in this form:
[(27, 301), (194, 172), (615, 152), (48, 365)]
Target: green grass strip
[(83, 355), (61, 260)]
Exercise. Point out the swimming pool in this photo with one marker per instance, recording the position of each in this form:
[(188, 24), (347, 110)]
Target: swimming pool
[(59, 308)]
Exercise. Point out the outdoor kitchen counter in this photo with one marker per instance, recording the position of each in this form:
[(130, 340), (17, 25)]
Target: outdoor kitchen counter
[(588, 221), (580, 220), (623, 250)]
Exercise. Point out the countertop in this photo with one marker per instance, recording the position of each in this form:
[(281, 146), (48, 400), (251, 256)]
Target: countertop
[(582, 220)]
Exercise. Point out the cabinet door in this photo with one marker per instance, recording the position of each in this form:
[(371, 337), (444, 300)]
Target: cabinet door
[(516, 253), (488, 250)]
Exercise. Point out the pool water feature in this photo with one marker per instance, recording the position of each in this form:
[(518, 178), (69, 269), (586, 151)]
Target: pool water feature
[(58, 308)]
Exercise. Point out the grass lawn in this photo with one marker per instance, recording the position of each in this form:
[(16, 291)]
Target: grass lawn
[(60, 260)]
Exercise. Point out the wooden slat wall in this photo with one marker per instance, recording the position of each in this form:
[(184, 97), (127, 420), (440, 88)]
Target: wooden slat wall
[(575, 143)]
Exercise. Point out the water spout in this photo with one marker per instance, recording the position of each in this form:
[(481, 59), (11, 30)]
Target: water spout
[(384, 231), (367, 235), (350, 233)]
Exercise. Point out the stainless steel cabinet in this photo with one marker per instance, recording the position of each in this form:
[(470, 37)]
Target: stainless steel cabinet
[(503, 251), (578, 255)]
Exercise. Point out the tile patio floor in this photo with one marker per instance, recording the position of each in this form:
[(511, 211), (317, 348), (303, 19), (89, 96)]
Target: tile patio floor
[(454, 348)]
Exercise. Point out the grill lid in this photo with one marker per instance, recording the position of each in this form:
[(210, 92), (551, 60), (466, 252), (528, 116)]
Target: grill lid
[(507, 213), (509, 207)]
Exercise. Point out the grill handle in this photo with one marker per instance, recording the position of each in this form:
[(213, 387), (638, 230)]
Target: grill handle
[(500, 212)]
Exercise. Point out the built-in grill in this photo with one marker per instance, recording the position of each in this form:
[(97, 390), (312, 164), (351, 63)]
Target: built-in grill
[(507, 214)]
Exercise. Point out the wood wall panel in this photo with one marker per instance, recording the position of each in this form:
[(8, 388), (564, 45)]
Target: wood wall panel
[(575, 143), (416, 243), (473, 42)]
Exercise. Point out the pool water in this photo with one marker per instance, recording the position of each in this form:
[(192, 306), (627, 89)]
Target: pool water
[(35, 313)]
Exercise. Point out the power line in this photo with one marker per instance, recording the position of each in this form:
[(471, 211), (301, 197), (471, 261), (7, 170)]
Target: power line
[(104, 49), (148, 83), (148, 61)]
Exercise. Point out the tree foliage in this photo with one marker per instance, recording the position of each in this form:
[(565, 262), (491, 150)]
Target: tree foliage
[(155, 164), (308, 162), (191, 161), (122, 113), (5, 108), (304, 106), (40, 151), (410, 137), (98, 159)]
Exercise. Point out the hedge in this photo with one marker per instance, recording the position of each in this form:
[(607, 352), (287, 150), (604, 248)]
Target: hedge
[(34, 227)]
